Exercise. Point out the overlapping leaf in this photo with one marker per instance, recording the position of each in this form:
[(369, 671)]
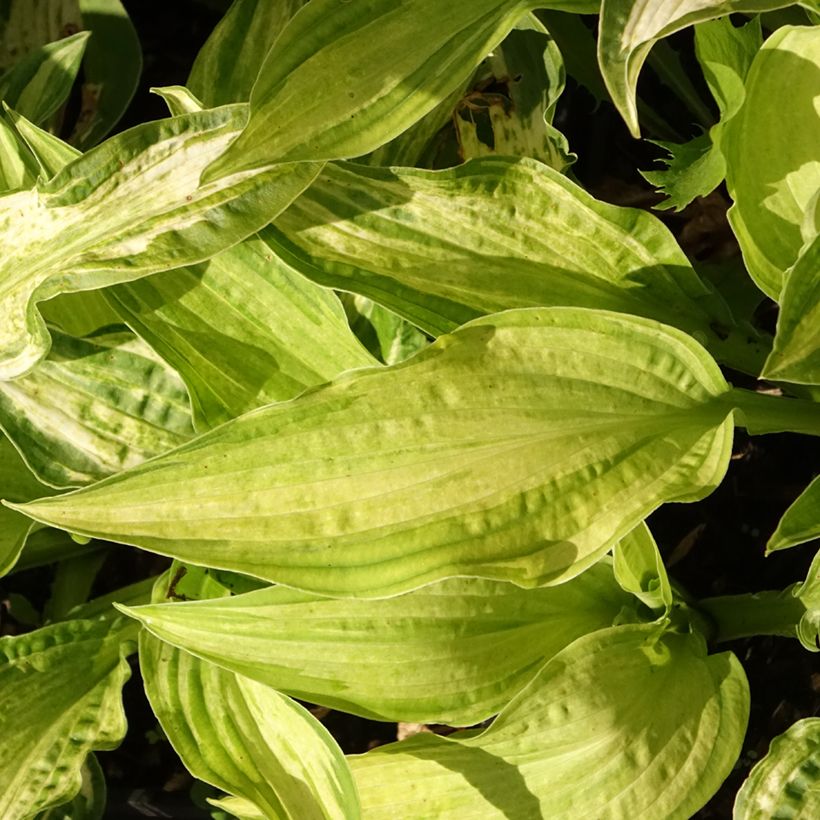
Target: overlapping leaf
[(625, 722), (61, 698), (89, 802), (519, 448), (129, 208), (93, 408), (25, 26), (440, 248), (639, 569)]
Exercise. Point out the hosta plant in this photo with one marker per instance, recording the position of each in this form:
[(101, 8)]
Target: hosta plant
[(345, 344)]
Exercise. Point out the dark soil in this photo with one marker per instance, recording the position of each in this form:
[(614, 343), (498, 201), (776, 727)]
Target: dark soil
[(712, 547)]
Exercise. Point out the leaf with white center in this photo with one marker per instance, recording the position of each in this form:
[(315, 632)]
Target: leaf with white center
[(19, 485), (629, 29), (773, 155), (227, 65), (41, 82), (391, 63), (796, 353), (27, 25), (61, 698), (94, 407), (639, 569), (786, 782), (441, 247), (89, 802), (454, 652), (800, 522), (625, 723), (519, 448), (129, 208), (242, 329)]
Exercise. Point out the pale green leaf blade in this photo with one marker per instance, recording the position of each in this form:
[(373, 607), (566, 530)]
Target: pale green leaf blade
[(246, 738), (519, 448), (89, 802), (385, 334), (773, 154), (629, 29), (393, 63), (129, 208), (454, 652), (19, 485), (786, 782), (25, 26), (800, 522), (639, 569), (18, 168), (229, 62), (623, 723), (51, 152), (796, 353), (111, 70), (439, 248), (94, 407), (40, 83), (61, 699), (242, 329)]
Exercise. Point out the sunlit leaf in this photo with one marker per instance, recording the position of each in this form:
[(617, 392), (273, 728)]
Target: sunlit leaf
[(27, 25), (622, 723), (89, 802), (519, 448), (801, 522), (639, 569)]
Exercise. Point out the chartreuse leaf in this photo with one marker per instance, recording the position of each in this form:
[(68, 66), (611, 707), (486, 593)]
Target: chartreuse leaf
[(111, 70), (61, 698), (696, 168), (89, 802), (242, 736), (796, 353), (629, 29), (94, 407), (786, 782), (227, 65), (391, 63), (808, 593), (519, 448), (439, 248), (385, 334), (639, 569), (625, 722), (453, 652), (16, 484), (772, 154), (801, 522), (131, 207)]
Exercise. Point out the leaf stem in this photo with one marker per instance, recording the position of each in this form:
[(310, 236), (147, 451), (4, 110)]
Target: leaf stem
[(774, 612), (761, 413)]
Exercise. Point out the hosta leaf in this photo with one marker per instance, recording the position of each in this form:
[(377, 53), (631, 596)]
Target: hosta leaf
[(131, 207), (786, 782), (808, 593), (519, 448), (801, 522), (629, 29), (16, 484), (391, 63), (89, 802), (796, 353), (229, 62), (639, 569), (94, 407), (51, 153), (242, 329), (622, 723), (40, 83), (111, 70), (385, 334), (453, 652), (81, 314), (61, 698), (27, 25), (18, 168), (772, 154), (439, 248)]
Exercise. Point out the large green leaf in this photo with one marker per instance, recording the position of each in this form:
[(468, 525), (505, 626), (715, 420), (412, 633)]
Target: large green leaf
[(801, 522), (94, 407), (229, 62), (773, 155), (131, 207), (519, 448), (453, 652), (440, 248), (796, 353), (19, 485), (629, 29), (391, 62), (61, 698), (786, 782), (624, 723)]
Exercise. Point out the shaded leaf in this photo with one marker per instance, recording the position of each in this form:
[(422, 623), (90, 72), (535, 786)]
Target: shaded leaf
[(89, 802), (25, 26)]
